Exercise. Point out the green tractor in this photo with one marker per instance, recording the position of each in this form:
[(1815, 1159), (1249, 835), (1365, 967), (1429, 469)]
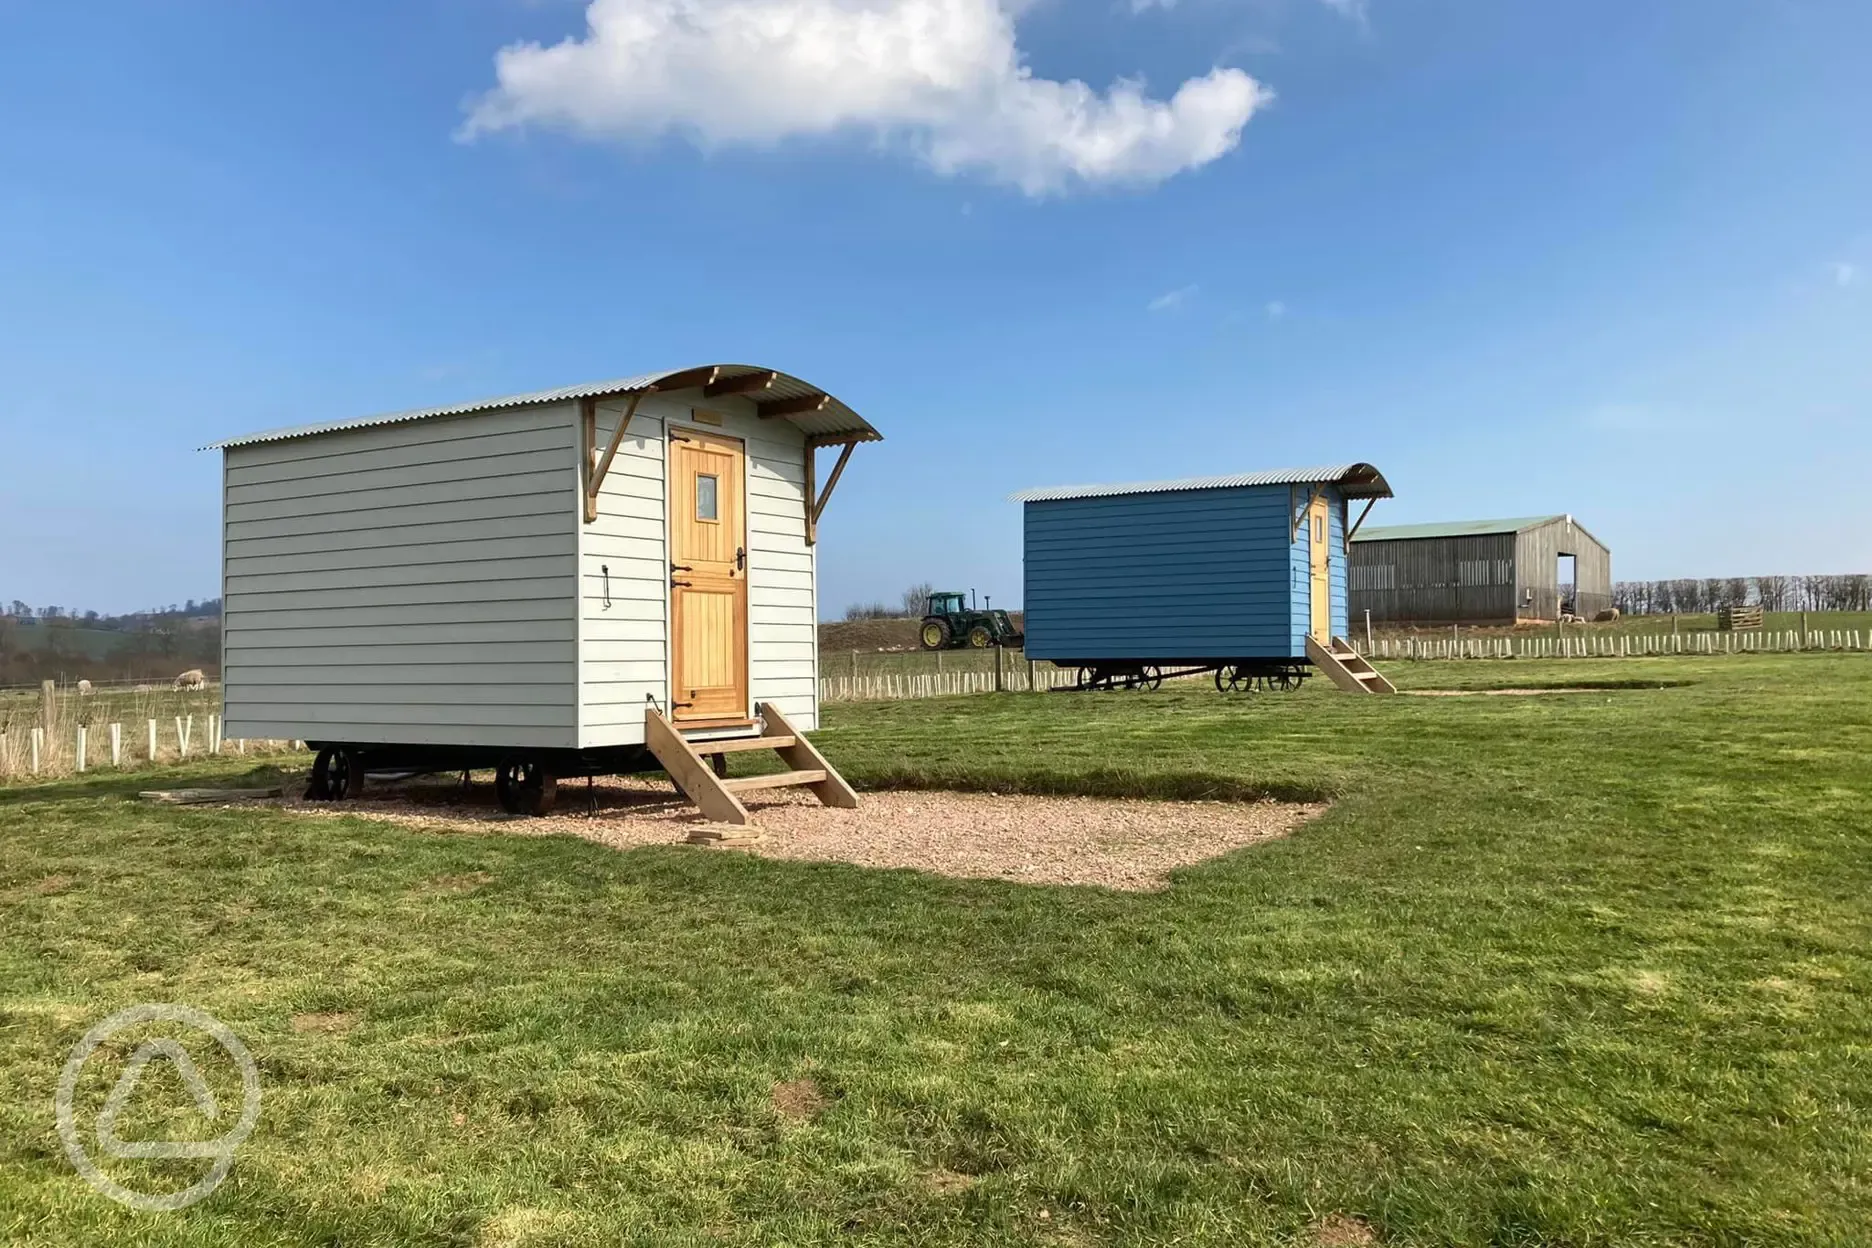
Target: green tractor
[(949, 623)]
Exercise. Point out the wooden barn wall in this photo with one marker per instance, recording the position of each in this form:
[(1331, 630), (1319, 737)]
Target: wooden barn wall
[(1434, 580), (1537, 563), (1177, 575), (410, 583)]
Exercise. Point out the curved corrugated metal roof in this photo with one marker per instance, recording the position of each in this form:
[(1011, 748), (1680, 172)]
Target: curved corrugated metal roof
[(1354, 480), (827, 418)]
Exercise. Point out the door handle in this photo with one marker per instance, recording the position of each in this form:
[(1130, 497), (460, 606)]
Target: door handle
[(740, 558)]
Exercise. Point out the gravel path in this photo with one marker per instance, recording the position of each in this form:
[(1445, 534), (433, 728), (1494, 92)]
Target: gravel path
[(1120, 844)]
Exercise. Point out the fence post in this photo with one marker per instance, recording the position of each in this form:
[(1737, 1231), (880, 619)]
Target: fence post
[(81, 747), (38, 735), (48, 693), (152, 740), (854, 665), (998, 653), (116, 745)]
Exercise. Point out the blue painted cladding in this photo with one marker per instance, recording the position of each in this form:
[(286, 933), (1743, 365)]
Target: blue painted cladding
[(1186, 574)]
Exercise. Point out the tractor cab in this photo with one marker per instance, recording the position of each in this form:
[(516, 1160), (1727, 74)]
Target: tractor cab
[(949, 623)]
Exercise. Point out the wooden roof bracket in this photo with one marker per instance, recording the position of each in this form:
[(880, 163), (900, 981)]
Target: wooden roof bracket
[(816, 500), (1353, 531), (1299, 516), (596, 467)]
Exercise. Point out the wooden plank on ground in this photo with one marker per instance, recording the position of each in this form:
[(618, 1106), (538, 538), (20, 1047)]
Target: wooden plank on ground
[(198, 797)]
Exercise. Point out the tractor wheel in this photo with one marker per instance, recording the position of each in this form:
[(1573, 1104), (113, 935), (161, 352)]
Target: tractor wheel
[(980, 638), (934, 635), (525, 788)]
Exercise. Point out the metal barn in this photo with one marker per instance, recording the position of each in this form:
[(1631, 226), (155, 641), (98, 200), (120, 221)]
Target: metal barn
[(1479, 571), (1244, 575), (596, 579)]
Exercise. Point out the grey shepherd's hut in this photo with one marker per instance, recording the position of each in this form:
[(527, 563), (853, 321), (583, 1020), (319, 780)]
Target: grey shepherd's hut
[(1479, 571), (599, 578)]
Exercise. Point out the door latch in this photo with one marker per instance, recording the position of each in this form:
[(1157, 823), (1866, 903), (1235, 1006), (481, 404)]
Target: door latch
[(740, 558)]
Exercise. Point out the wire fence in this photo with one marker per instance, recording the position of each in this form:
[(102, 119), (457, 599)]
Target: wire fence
[(52, 731), (1616, 645), (1024, 676)]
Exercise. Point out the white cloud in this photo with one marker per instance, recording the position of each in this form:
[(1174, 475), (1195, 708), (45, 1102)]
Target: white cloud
[(941, 77), (1171, 300), (1275, 309), (1351, 10), (1845, 273)]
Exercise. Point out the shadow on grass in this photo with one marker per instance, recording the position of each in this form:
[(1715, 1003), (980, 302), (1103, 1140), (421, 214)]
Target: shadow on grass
[(128, 784), (1182, 786), (1624, 683)]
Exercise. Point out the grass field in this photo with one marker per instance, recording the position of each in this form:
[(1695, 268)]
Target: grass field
[(1581, 969)]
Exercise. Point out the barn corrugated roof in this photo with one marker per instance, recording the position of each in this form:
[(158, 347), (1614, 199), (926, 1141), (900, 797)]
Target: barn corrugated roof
[(833, 418), (1453, 528), (1354, 480)]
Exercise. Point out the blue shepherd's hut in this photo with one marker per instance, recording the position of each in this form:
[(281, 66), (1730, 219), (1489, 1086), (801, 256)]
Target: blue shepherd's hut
[(1243, 574)]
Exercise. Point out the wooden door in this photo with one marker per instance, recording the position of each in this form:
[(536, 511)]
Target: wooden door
[(1319, 534), (708, 577)]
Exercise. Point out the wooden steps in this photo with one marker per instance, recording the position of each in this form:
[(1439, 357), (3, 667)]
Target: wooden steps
[(687, 763), (775, 780), (734, 745), (1346, 667)]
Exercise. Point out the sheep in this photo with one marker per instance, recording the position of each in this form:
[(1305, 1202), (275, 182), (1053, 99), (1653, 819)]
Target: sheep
[(1606, 616), (84, 688), (191, 679), (146, 689)]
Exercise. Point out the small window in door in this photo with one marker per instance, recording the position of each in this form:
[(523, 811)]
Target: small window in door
[(1319, 529), (706, 505)]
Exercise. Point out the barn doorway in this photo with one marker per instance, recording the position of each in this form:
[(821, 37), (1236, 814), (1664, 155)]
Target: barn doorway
[(1566, 579)]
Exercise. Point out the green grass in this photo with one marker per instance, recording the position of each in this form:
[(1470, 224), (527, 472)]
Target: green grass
[(1581, 969)]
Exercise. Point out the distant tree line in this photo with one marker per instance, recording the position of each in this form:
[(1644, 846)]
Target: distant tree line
[(910, 605), (64, 643), (23, 614), (1694, 595)]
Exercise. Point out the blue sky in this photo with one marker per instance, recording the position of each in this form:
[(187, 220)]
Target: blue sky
[(1606, 258)]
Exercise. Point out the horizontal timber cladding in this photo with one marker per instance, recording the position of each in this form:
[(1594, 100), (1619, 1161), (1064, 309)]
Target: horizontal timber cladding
[(1172, 575), (406, 583), (1437, 580), (1537, 566), (623, 581)]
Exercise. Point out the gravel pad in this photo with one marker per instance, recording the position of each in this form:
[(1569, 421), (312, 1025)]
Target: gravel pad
[(1106, 843)]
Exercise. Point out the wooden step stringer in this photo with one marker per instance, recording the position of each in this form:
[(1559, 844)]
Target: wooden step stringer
[(686, 763), (1346, 667)]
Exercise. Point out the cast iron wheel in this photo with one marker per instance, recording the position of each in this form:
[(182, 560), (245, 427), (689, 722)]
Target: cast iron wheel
[(1234, 679), (1147, 678), (980, 638), (336, 775), (1286, 682), (525, 788), (935, 635)]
